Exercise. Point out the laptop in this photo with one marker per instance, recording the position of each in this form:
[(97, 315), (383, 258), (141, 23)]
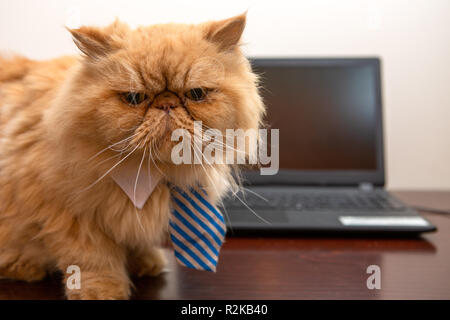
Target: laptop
[(331, 166)]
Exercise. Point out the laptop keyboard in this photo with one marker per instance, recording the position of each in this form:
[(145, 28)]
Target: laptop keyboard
[(315, 201)]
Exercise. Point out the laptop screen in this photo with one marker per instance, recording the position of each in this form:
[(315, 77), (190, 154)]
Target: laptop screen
[(327, 112)]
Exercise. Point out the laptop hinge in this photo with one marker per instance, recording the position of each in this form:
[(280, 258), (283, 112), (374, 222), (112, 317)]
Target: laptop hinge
[(366, 186)]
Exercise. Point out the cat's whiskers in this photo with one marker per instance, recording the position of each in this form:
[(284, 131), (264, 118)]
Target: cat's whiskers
[(133, 128), (255, 193), (218, 141), (137, 175), (134, 191), (214, 186), (151, 156), (251, 210), (139, 170), (107, 172), (148, 165), (110, 146), (220, 144), (124, 149), (212, 183), (109, 158), (239, 151)]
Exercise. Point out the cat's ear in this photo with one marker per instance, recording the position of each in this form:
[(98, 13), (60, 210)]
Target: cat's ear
[(226, 33), (97, 42)]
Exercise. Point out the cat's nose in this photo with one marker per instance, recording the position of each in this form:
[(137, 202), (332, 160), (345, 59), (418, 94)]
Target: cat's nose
[(166, 101)]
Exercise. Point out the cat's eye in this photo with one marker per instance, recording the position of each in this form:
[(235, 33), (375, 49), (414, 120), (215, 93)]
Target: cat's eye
[(134, 98), (196, 94)]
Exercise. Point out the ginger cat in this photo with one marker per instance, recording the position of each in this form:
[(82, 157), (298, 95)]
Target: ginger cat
[(66, 122)]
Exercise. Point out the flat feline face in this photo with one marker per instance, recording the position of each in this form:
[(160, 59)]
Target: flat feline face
[(140, 85)]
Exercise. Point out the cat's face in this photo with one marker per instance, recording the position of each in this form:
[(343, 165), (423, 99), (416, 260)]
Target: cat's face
[(142, 84)]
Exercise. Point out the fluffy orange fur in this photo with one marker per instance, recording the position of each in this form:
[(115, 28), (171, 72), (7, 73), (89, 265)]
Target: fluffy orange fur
[(57, 120)]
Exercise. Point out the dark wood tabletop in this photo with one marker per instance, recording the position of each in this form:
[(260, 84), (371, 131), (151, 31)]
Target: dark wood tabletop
[(301, 267)]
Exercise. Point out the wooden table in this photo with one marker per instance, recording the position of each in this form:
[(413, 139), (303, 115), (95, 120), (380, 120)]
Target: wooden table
[(302, 268)]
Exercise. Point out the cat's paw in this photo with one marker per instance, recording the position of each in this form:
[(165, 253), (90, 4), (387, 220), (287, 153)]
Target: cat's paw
[(95, 286), (99, 293), (19, 268), (152, 264)]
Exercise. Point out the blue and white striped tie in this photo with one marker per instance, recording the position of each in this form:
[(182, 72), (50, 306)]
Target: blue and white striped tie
[(197, 229)]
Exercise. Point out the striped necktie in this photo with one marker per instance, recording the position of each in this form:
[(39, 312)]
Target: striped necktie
[(197, 229)]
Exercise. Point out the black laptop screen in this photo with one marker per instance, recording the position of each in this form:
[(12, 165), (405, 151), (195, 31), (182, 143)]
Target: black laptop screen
[(326, 115)]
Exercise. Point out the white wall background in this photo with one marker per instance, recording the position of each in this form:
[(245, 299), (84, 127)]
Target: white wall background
[(411, 36)]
